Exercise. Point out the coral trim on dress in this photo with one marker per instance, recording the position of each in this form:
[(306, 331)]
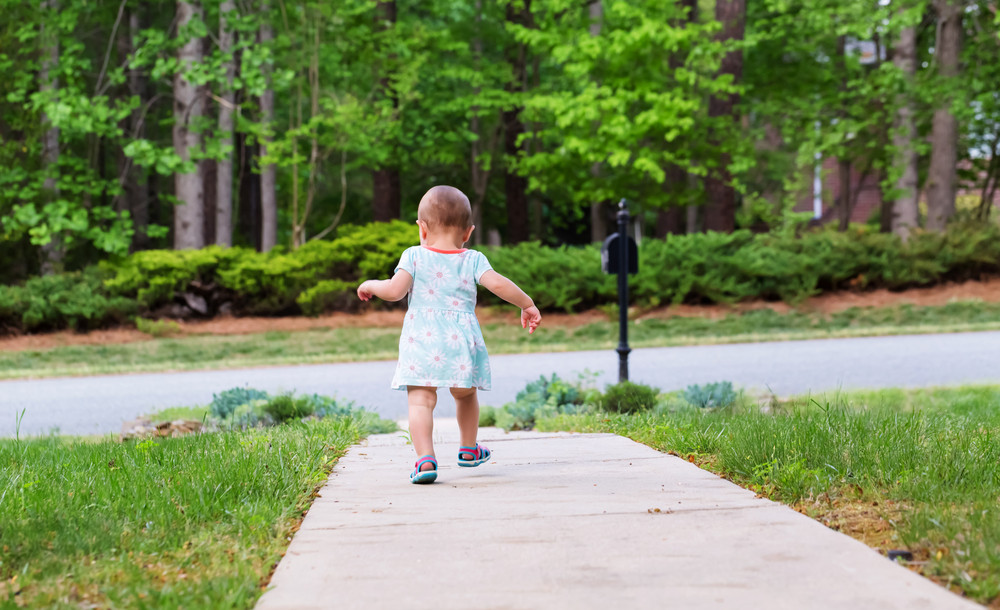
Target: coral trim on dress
[(440, 251)]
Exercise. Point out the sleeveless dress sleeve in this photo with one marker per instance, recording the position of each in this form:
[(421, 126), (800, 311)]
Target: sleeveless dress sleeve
[(480, 265)]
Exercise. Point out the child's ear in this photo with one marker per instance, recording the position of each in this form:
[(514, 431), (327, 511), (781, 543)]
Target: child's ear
[(468, 233), (423, 230)]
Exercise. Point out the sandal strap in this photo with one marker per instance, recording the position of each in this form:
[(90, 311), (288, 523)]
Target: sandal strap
[(424, 460), (476, 452)]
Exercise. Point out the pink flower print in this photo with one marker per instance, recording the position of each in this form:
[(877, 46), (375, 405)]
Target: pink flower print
[(479, 381), (436, 359), (431, 294), (455, 302), (411, 369), (439, 276), (463, 369), (412, 316), (455, 339), (429, 335), (411, 341)]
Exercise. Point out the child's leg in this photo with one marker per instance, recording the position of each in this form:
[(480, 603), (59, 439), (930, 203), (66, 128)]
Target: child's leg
[(422, 402), (467, 412)]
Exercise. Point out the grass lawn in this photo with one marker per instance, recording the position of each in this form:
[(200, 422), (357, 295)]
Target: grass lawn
[(357, 344), (916, 470), (192, 522)]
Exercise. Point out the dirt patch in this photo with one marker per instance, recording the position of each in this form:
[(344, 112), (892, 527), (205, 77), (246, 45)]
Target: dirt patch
[(987, 291)]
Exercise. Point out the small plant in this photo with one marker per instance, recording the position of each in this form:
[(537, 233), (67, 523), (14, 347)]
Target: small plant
[(628, 397), (286, 406), (541, 398), (225, 403), (157, 328), (710, 395)]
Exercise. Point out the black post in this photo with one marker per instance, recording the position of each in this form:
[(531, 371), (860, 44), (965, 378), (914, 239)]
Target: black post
[(623, 265)]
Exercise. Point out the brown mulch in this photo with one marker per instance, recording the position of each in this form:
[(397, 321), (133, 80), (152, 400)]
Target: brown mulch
[(988, 291)]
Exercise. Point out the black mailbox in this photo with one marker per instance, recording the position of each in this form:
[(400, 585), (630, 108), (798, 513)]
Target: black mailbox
[(610, 254)]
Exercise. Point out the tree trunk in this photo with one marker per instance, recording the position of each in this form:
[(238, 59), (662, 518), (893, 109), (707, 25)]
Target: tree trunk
[(905, 209), (516, 186), (54, 251), (386, 192), (268, 173), (136, 197), (944, 133), (250, 213), (671, 219), (227, 108), (720, 209), (188, 107), (598, 213)]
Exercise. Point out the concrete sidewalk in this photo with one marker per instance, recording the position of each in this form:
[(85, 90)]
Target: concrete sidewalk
[(570, 521)]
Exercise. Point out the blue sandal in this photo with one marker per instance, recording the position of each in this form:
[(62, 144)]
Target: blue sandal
[(425, 476), (473, 456)]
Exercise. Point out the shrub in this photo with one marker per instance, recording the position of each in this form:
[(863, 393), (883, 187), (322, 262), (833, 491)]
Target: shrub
[(628, 397), (225, 403), (286, 406), (710, 395), (74, 300), (542, 398)]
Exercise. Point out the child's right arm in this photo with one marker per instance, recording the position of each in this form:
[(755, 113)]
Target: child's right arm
[(509, 291), (387, 290)]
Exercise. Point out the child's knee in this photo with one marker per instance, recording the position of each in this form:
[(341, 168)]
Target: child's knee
[(421, 396), (463, 393)]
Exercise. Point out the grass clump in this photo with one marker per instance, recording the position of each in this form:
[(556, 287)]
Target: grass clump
[(628, 397), (192, 522), (926, 461), (710, 395)]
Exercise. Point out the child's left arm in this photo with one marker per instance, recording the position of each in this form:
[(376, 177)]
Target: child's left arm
[(387, 290)]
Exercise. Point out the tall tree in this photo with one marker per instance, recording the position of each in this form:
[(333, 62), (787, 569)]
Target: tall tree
[(227, 111), (188, 108), (598, 209), (944, 134), (52, 251), (268, 173), (516, 185), (720, 208), (905, 207), (386, 193), (672, 219)]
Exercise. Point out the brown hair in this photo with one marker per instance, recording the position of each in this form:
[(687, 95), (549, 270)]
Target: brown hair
[(445, 206)]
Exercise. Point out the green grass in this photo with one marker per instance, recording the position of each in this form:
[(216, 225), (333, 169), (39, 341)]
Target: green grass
[(360, 344), (192, 522), (929, 458)]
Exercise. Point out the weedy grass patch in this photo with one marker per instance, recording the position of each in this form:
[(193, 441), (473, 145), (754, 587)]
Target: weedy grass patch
[(927, 462), (191, 522)]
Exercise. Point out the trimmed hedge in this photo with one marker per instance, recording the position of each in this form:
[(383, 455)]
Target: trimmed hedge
[(322, 276)]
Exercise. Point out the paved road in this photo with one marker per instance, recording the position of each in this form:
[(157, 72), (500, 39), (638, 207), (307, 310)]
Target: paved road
[(96, 405)]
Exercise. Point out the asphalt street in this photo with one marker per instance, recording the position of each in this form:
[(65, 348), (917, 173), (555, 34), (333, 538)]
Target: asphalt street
[(98, 405)]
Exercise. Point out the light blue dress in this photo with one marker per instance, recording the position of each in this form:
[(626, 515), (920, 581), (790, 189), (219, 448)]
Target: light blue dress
[(442, 344)]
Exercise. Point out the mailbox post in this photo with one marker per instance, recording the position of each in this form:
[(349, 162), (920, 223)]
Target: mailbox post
[(620, 255)]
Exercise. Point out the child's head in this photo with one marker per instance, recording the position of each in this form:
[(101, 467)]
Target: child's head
[(445, 210)]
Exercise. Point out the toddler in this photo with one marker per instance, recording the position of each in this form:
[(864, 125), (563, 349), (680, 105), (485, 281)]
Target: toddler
[(442, 344)]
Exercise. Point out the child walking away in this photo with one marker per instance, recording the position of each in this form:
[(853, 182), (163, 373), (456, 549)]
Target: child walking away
[(442, 345)]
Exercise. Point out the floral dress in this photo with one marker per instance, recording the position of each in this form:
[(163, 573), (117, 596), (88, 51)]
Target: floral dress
[(441, 344)]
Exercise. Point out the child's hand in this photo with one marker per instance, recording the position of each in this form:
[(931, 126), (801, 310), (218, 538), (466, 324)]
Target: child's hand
[(530, 318), (364, 291)]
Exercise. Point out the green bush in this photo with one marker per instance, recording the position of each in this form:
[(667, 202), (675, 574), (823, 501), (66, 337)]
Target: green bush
[(74, 300), (542, 398), (286, 406), (628, 397), (225, 403), (321, 276), (710, 395)]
